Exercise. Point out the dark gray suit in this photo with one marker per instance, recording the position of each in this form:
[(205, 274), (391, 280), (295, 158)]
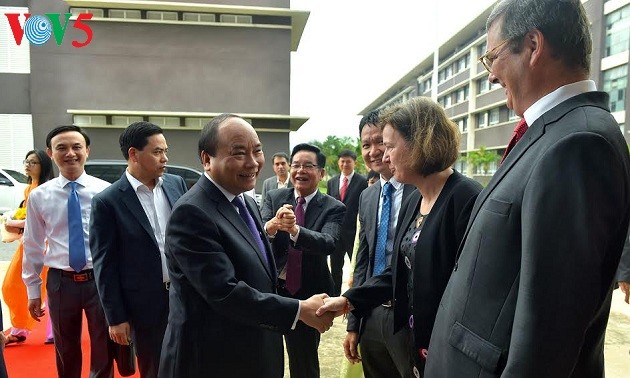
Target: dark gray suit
[(128, 266), (271, 184), (316, 240), (382, 351), (224, 320), (531, 292), (349, 226)]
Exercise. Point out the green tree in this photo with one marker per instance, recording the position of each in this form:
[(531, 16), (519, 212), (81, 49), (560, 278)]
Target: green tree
[(482, 158), (333, 145)]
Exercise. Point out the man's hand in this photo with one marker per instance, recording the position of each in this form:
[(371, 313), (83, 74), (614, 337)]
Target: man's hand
[(308, 316), (625, 288), (120, 333), (334, 305), (350, 347), (35, 308), (284, 220)]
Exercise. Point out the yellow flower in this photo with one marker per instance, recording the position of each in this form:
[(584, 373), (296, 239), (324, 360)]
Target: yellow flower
[(19, 214)]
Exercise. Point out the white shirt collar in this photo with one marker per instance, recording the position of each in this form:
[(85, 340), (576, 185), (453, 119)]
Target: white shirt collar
[(554, 98), (307, 198), (81, 180), (230, 197), (392, 181), (135, 183)]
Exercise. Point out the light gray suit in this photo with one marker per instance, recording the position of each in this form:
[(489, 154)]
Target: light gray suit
[(270, 184), (530, 294)]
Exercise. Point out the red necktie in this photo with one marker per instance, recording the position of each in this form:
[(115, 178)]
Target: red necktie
[(519, 130), (294, 260), (344, 188)]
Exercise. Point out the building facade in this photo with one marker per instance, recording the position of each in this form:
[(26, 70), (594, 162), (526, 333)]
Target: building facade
[(453, 77), (174, 63)]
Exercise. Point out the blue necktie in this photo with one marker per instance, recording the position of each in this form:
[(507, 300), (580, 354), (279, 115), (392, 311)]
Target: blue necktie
[(380, 255), (249, 221), (76, 245)]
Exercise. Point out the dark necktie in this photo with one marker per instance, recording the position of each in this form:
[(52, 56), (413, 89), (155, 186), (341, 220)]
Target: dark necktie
[(344, 188), (519, 130), (380, 255), (249, 221), (294, 260), (76, 242)]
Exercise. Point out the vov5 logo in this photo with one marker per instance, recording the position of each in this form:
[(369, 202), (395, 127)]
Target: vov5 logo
[(38, 29)]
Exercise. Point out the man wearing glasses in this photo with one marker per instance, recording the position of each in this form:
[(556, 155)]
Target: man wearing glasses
[(304, 226), (531, 291)]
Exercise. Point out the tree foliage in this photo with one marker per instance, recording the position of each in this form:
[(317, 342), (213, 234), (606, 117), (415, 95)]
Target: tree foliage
[(482, 158), (333, 145)]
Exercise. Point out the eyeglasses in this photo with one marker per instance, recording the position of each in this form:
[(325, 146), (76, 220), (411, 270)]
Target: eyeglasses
[(489, 57), (306, 167), (30, 163)]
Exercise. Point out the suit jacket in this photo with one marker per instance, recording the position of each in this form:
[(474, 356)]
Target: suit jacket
[(623, 272), (126, 256), (355, 187), (271, 184), (225, 318), (368, 232), (531, 292), (317, 238), (435, 254)]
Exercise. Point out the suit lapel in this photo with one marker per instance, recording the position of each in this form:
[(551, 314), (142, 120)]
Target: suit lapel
[(371, 215), (131, 201), (313, 211), (170, 190)]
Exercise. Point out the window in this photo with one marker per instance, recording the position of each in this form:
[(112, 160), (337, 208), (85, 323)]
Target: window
[(160, 15), (618, 31), (236, 19), (165, 121), (494, 116), (125, 120), (95, 11), (462, 94), (90, 119), (615, 83), (196, 122), (448, 100), (200, 17), (483, 85), (481, 49), (13, 58), (462, 124), (461, 164), (482, 120), (125, 13), (512, 115), (17, 138)]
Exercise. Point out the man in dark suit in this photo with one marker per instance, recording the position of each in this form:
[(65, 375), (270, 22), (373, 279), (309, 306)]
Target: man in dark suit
[(530, 294), (225, 317), (346, 187), (127, 228), (384, 354), (301, 250), (280, 179)]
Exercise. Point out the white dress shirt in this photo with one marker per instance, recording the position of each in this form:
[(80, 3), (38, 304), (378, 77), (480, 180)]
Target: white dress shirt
[(556, 97), (157, 209), (47, 221)]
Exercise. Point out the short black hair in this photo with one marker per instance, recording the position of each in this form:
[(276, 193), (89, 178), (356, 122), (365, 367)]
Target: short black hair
[(280, 154), (347, 153), (137, 136), (369, 119), (373, 174), (321, 158), (209, 137), (63, 129)]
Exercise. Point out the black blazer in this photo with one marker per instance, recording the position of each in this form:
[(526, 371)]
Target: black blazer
[(355, 187), (225, 318), (317, 239), (125, 253), (531, 293), (435, 255), (368, 220)]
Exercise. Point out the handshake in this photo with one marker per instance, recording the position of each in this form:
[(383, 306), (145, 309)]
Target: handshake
[(319, 311)]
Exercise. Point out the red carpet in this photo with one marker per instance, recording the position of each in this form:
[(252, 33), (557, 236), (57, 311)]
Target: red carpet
[(33, 358)]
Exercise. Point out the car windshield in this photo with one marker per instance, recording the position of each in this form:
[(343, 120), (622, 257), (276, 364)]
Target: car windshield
[(19, 177)]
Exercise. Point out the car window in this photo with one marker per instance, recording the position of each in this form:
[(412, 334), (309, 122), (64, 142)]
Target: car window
[(18, 176), (107, 172), (190, 176)]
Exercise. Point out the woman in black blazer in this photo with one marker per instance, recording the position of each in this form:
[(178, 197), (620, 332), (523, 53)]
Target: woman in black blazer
[(421, 146)]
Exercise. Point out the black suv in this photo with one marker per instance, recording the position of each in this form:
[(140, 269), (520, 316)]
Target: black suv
[(111, 170)]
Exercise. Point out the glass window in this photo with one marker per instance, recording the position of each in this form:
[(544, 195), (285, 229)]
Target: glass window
[(483, 85), (196, 122), (494, 116), (462, 124), (512, 115), (615, 83), (124, 13), (95, 11), (618, 31), (160, 15), (165, 121), (86, 120), (482, 120), (199, 17), (125, 120)]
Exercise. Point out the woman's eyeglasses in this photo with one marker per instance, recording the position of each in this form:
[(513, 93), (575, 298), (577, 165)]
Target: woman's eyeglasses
[(30, 163)]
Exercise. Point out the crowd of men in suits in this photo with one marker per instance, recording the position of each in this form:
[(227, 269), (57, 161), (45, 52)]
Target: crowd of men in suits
[(202, 282)]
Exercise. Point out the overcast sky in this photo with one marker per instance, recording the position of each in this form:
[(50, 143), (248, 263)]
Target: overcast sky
[(353, 50)]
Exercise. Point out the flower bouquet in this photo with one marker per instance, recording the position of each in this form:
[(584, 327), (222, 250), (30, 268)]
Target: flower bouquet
[(13, 224)]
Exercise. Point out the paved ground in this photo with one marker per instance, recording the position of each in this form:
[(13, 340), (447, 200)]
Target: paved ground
[(331, 351)]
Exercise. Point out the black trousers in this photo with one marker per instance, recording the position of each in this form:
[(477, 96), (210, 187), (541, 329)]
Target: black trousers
[(67, 300), (385, 354), (148, 342)]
